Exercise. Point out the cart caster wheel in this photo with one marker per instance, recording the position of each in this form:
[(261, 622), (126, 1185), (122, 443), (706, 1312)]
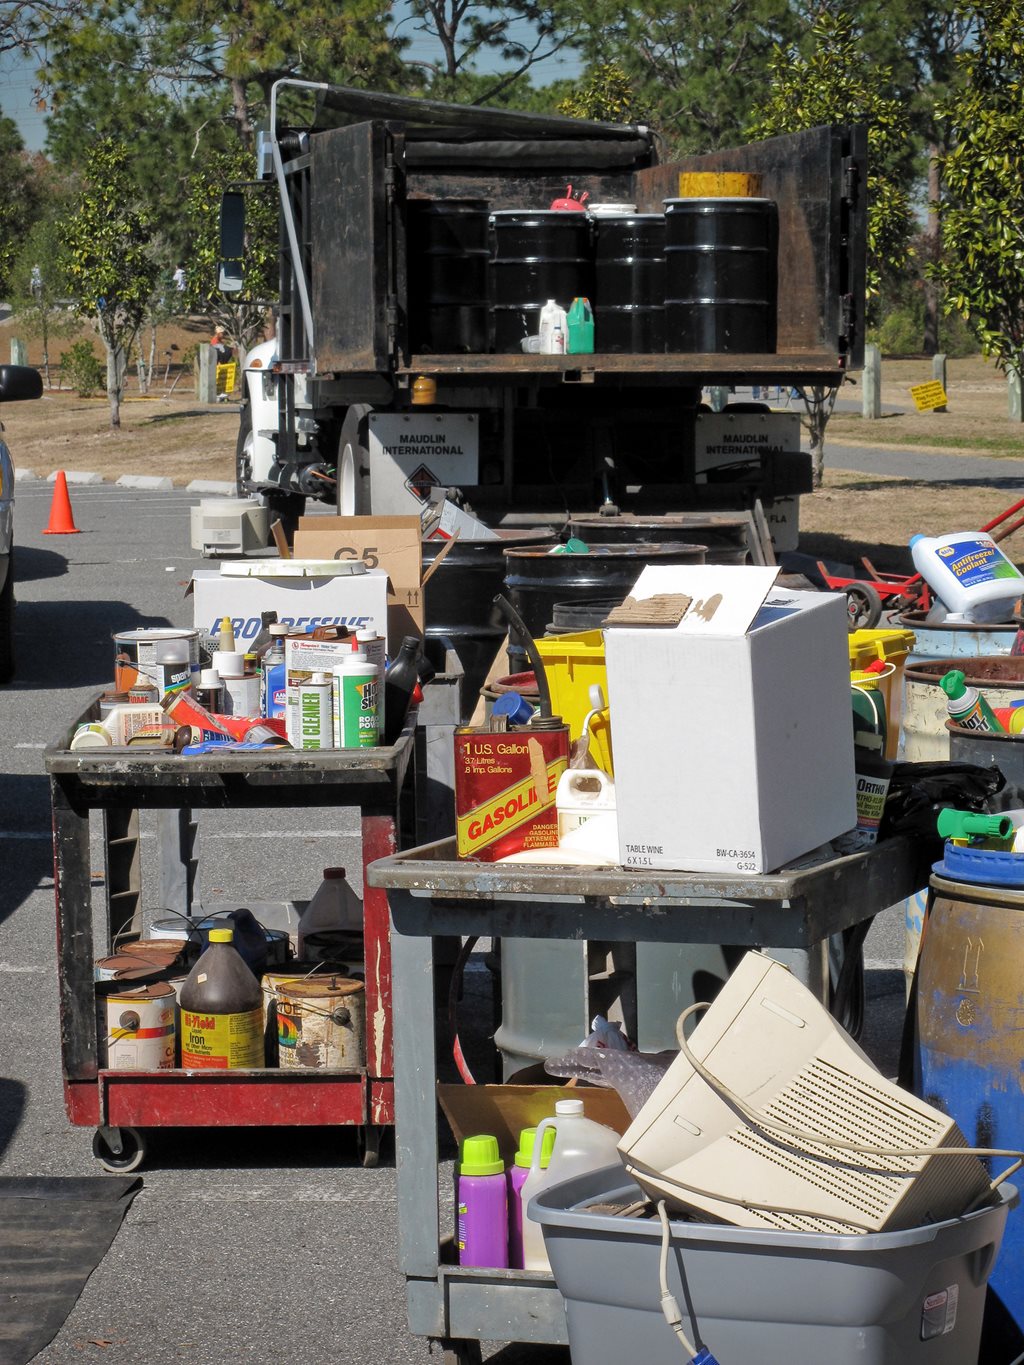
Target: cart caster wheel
[(462, 1353), (119, 1150), (369, 1145), (864, 606)]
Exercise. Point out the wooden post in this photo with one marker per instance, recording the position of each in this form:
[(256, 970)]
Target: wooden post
[(939, 373), (1013, 389), (206, 381), (872, 400), (19, 353)]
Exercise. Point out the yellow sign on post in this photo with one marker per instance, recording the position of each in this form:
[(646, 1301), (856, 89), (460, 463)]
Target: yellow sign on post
[(227, 377), (927, 397)]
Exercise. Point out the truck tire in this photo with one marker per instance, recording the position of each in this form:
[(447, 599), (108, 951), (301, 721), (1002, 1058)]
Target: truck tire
[(353, 497), (7, 623)]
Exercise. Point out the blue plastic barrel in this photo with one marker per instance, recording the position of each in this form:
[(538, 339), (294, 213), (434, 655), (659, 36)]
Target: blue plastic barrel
[(970, 1020)]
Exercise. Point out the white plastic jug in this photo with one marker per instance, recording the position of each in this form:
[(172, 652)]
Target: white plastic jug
[(581, 1145), (969, 573), (581, 794), (553, 322)]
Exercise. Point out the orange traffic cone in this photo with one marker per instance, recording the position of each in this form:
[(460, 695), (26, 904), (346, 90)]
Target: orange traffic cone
[(62, 522)]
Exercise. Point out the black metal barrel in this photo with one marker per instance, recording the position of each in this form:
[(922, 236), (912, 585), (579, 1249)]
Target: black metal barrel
[(629, 282), (459, 604), (536, 255), (720, 269), (448, 258), (726, 537), (536, 580)]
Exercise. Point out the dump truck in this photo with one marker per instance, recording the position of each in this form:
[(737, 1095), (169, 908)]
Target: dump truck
[(418, 249)]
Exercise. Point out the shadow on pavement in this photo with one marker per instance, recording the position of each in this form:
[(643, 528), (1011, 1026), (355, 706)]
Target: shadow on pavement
[(12, 1106), (32, 564), (83, 628)]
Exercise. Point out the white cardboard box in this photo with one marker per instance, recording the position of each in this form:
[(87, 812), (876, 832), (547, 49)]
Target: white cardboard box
[(301, 600), (732, 732)]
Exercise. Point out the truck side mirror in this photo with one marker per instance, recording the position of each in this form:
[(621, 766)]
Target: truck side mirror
[(232, 242)]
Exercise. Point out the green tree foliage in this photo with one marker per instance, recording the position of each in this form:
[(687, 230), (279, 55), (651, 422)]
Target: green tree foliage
[(109, 259), (39, 288), (21, 195), (694, 68), (982, 201), (242, 315), (833, 83), (606, 95)]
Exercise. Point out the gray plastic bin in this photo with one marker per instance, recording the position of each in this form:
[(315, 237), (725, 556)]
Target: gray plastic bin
[(763, 1297)]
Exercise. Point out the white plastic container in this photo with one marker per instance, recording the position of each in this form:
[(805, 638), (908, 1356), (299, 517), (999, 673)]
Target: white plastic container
[(581, 1145), (553, 321), (581, 794), (330, 919), (969, 573), (356, 701)]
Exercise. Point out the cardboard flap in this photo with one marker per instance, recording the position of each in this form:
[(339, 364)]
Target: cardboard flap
[(725, 597)]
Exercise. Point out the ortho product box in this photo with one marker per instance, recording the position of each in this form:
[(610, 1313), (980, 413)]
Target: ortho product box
[(732, 730), (304, 593)]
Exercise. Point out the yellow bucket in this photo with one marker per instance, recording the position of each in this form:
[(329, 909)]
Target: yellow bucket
[(573, 664), (891, 647), (718, 185)]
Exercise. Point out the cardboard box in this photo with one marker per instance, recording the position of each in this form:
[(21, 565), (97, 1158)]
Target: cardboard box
[(389, 543), (301, 598), (505, 1110), (732, 730)]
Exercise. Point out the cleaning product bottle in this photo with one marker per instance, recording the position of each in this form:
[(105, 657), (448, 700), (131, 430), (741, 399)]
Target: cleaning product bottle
[(517, 1176), (400, 682), (273, 677), (966, 706), (375, 647), (330, 919), (221, 1010), (579, 328), (482, 1204), (356, 725), (550, 316), (581, 1145), (970, 573)]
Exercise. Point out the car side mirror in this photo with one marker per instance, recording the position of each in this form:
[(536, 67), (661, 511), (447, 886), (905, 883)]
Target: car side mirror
[(18, 382)]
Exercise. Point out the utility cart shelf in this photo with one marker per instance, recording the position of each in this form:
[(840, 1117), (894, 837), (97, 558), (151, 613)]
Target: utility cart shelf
[(790, 914), (118, 786)]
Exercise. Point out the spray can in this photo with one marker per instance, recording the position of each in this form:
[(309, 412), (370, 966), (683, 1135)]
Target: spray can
[(482, 1204), (221, 1010), (966, 706), (316, 720), (355, 703), (172, 668)]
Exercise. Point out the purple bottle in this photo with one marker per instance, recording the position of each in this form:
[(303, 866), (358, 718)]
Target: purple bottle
[(482, 1204), (517, 1174)]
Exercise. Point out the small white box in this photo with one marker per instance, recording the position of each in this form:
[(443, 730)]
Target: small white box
[(732, 731), (334, 596)]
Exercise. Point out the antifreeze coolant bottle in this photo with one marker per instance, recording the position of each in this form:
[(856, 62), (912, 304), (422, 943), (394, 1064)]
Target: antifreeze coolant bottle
[(581, 1145), (482, 1204), (221, 1010), (966, 706), (330, 919), (969, 573)]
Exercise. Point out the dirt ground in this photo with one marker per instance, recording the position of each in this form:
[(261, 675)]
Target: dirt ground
[(170, 434)]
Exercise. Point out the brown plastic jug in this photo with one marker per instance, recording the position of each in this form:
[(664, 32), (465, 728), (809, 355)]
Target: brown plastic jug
[(221, 1010)]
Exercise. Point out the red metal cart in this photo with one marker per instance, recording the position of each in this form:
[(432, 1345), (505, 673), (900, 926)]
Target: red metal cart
[(121, 1104)]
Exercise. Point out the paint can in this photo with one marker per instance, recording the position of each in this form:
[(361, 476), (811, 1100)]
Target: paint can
[(278, 947), (241, 694), (137, 1028), (161, 952), (321, 1024), (118, 965), (315, 713), (135, 652)]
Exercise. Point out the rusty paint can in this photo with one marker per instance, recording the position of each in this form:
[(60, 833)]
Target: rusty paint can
[(321, 1024), (122, 965), (136, 1028), (970, 1008)]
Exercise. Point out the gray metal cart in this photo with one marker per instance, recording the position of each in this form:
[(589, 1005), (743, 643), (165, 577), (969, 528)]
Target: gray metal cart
[(789, 914)]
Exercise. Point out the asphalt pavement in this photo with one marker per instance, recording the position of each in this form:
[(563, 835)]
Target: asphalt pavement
[(244, 1245)]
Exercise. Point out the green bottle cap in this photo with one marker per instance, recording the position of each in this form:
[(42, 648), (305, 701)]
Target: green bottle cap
[(524, 1156), (480, 1156), (953, 683)]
